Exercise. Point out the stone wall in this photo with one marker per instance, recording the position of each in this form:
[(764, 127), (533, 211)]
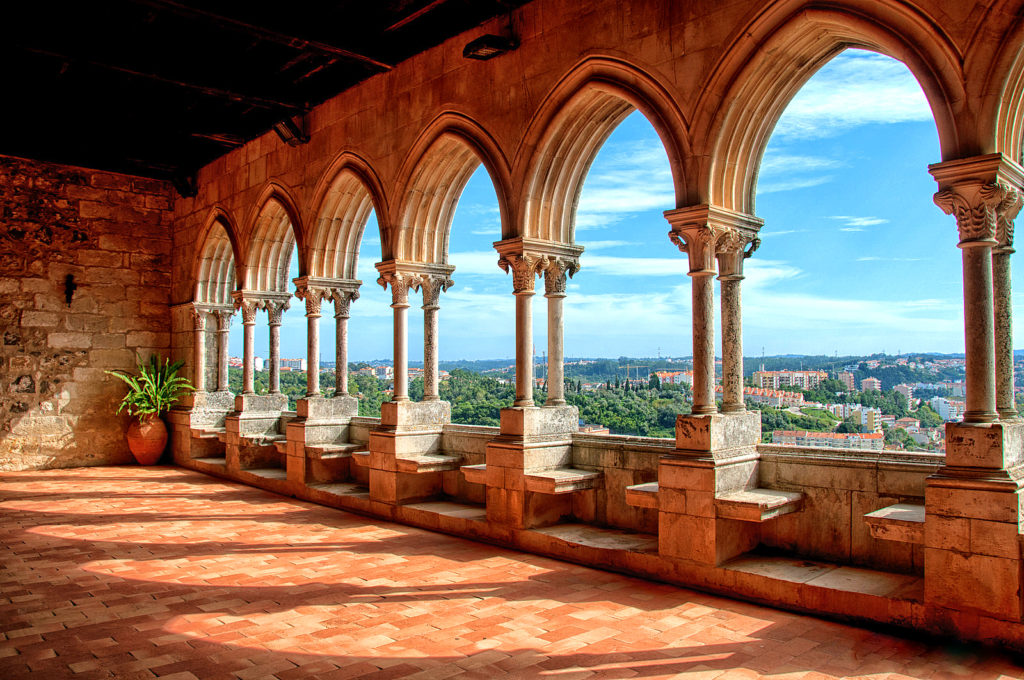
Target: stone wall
[(111, 233)]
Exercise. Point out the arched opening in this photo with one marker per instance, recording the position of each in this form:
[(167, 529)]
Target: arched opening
[(857, 276), (215, 281)]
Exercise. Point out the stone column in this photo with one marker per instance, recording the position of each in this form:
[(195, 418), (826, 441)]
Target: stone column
[(698, 242), (249, 307), (199, 353), (275, 309), (313, 296), (731, 250), (342, 301), (400, 284), (554, 291), (1002, 296), (432, 286), (524, 268), (974, 204), (223, 329)]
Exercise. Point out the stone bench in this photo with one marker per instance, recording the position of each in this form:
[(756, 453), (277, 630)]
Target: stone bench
[(560, 480), (475, 474), (757, 505), (903, 522), (428, 462), (643, 495)]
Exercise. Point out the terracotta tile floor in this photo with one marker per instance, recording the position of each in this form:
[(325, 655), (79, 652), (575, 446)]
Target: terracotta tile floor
[(140, 573)]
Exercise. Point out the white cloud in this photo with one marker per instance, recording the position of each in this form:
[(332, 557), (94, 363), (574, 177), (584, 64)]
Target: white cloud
[(603, 245), (775, 163), (855, 223), (851, 229), (856, 88), (873, 258), (635, 179)]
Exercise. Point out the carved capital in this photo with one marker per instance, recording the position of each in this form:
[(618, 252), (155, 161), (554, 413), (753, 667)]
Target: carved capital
[(555, 274), (1006, 213), (223, 320), (525, 268), (734, 245), (198, 319), (312, 296), (401, 283), (275, 310), (343, 300), (432, 285), (248, 307), (704, 231), (698, 242), (975, 206)]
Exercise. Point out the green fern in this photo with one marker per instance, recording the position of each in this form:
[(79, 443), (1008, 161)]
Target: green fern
[(155, 389)]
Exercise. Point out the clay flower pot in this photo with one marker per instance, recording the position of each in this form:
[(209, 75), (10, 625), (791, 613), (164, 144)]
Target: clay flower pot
[(147, 438)]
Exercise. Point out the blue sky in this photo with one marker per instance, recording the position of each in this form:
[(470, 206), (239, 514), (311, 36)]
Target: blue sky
[(855, 258)]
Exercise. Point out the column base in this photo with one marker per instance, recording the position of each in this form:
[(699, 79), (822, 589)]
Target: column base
[(261, 403), (539, 421), (717, 433), (996, 447), (323, 408)]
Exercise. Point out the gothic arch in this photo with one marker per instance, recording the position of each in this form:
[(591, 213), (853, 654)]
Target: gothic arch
[(1001, 124), (345, 195), (436, 171), (216, 268), (570, 128), (779, 52), (274, 230)]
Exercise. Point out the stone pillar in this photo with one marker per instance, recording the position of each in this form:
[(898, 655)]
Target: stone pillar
[(554, 291), (249, 306), (1002, 296), (223, 329), (400, 283), (342, 301), (697, 240), (524, 268), (199, 349), (313, 296), (432, 286), (275, 309), (731, 250), (973, 509), (974, 204)]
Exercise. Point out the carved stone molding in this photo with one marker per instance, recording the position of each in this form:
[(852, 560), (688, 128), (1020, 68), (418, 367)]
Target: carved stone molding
[(313, 296), (248, 304), (983, 193), (528, 258), (702, 231), (432, 285), (198, 318), (401, 283), (524, 268), (405, 276), (734, 245), (223, 320), (343, 300)]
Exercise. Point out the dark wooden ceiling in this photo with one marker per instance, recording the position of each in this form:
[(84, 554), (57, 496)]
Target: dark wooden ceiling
[(159, 88)]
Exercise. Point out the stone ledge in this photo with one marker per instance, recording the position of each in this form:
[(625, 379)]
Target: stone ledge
[(643, 495), (475, 474), (757, 505), (361, 458), (330, 450), (560, 480), (903, 522), (428, 462)]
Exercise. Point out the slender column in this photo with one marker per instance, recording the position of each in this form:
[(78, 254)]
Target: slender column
[(199, 353), (223, 329), (697, 240), (275, 308), (432, 286), (1002, 296), (313, 296), (554, 291), (974, 205), (524, 268), (248, 308), (400, 284), (342, 301), (730, 254)]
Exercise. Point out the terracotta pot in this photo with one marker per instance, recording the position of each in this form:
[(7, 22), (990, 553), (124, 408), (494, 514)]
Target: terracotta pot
[(147, 439)]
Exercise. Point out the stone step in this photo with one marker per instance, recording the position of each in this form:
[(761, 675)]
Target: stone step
[(331, 450), (475, 474), (757, 505), (342, 489), (281, 445), (428, 462), (561, 480), (211, 460), (268, 473), (903, 522), (643, 495), (361, 458)]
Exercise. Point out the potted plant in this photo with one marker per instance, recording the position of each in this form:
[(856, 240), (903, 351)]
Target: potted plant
[(153, 391)]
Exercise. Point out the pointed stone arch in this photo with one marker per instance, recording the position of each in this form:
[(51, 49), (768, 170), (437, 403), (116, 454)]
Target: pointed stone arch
[(572, 125), (434, 175), (218, 263), (274, 231), (1001, 124), (779, 52), (346, 194)]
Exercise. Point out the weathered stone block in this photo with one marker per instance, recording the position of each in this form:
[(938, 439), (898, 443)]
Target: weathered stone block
[(537, 421), (714, 432)]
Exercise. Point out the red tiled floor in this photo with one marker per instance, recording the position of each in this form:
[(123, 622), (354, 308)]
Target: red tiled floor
[(160, 572)]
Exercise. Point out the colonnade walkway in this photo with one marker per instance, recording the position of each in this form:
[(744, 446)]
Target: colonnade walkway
[(133, 572)]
